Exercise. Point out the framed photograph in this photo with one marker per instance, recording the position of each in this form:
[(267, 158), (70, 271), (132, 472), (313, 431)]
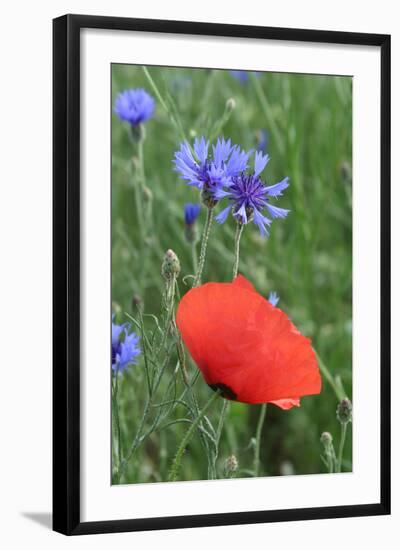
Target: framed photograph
[(221, 274)]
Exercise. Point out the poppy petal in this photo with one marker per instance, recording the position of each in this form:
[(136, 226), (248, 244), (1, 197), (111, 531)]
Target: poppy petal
[(286, 404), (243, 283), (242, 343)]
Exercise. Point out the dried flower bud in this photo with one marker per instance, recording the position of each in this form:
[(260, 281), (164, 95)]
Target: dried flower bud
[(230, 104), (326, 439), (137, 301), (231, 464), (286, 468), (171, 266), (344, 411)]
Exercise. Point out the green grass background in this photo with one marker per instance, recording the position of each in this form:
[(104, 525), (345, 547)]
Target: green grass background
[(307, 259)]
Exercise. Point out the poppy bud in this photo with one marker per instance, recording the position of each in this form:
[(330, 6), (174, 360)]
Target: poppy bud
[(171, 266), (344, 411)]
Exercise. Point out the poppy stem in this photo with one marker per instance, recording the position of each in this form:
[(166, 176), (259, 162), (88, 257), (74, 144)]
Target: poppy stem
[(220, 427), (337, 388), (239, 231), (203, 249), (173, 474), (260, 425)]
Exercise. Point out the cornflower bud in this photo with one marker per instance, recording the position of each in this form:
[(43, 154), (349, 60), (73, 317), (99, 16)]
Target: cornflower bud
[(171, 266), (344, 411), (326, 439)]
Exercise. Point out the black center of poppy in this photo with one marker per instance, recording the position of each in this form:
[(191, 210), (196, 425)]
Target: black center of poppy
[(225, 390)]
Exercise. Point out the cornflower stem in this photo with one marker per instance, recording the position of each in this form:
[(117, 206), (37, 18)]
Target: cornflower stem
[(194, 257), (343, 431), (331, 460), (260, 424), (169, 315), (115, 411), (203, 249), (169, 320), (173, 474), (138, 189), (239, 231), (124, 462), (144, 214), (329, 463), (138, 437), (329, 456), (141, 160), (175, 122)]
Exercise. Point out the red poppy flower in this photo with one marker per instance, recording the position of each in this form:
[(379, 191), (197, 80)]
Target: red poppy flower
[(245, 346)]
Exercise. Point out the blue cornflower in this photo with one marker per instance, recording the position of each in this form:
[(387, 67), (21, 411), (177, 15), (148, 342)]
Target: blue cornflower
[(191, 213), (243, 76), (250, 197), (273, 298), (134, 106), (124, 347), (212, 173)]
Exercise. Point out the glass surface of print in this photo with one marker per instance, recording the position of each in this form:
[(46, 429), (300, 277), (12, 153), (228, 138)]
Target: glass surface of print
[(231, 274)]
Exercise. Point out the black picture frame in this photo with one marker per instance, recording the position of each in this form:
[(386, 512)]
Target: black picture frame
[(66, 273)]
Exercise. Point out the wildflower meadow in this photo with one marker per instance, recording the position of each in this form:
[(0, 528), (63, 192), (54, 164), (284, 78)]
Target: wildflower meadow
[(231, 326)]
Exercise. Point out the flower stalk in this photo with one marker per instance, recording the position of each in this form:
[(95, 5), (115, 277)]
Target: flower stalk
[(173, 474), (115, 411), (257, 448), (343, 430), (239, 231), (203, 248)]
